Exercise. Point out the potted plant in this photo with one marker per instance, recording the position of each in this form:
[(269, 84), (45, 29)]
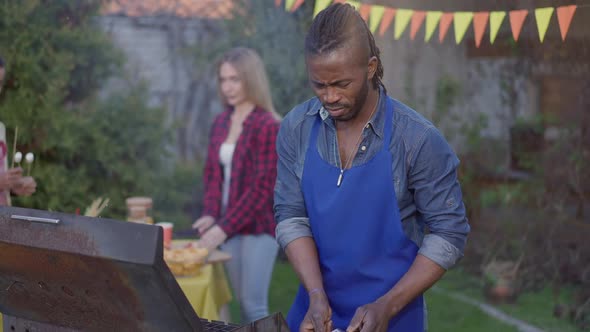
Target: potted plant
[(501, 280)]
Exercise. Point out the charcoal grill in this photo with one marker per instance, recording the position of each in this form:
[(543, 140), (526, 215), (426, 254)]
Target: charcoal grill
[(61, 272)]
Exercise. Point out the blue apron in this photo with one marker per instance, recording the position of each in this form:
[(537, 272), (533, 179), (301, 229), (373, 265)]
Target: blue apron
[(362, 248)]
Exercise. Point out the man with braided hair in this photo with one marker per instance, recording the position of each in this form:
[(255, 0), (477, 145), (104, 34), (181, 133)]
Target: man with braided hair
[(360, 177)]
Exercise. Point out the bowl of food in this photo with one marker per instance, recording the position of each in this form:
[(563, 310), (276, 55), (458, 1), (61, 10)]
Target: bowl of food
[(185, 260)]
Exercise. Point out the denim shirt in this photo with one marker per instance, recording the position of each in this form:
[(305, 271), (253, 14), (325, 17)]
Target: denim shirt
[(424, 173)]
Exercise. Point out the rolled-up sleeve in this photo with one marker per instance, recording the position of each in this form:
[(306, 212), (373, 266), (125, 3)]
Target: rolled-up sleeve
[(289, 206), (437, 195)]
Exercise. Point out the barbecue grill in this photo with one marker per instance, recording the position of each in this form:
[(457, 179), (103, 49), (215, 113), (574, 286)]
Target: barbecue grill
[(62, 272)]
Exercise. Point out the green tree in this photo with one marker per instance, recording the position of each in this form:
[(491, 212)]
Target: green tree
[(85, 147), (278, 36)]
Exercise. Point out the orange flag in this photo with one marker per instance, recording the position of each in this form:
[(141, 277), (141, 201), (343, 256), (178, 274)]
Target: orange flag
[(445, 22), (516, 20), (365, 11), (480, 21), (417, 20), (386, 20), (278, 2), (297, 4), (564, 16)]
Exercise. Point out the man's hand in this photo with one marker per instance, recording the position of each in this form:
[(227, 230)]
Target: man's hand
[(212, 238), (25, 186), (202, 224), (372, 317), (10, 177), (319, 315)]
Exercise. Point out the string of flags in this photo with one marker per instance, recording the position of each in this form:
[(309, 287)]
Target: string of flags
[(381, 17)]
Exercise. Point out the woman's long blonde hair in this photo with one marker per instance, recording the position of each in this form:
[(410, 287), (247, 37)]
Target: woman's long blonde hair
[(253, 75)]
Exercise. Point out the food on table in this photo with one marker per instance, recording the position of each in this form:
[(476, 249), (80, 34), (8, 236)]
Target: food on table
[(185, 261), (138, 209), (97, 206), (139, 214)]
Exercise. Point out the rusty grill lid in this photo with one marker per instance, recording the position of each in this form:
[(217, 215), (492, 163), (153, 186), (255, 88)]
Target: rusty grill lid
[(89, 274)]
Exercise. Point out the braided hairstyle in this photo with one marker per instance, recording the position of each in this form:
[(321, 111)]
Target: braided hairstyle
[(337, 26)]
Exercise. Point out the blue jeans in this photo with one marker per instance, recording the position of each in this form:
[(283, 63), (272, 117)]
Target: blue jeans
[(250, 272)]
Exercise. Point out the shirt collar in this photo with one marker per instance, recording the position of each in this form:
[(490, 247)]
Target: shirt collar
[(248, 119), (376, 123)]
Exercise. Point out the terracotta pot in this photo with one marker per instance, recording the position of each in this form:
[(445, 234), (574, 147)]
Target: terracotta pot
[(501, 293)]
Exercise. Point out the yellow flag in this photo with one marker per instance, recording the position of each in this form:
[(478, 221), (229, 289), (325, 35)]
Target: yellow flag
[(289, 4), (543, 16), (461, 23), (320, 5), (355, 4), (402, 18), (375, 17), (496, 19), (432, 19)]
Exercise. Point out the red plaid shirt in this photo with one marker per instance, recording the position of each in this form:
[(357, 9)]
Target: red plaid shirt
[(253, 174)]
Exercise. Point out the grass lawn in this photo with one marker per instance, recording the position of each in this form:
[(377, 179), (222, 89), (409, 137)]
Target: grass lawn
[(445, 314), (534, 308)]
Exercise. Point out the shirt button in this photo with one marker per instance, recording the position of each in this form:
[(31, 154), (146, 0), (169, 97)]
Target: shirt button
[(367, 126), (363, 148)]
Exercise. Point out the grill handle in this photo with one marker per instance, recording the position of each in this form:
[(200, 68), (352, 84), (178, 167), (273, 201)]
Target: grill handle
[(36, 219)]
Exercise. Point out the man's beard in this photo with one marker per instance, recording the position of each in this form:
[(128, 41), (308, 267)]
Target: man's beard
[(357, 107)]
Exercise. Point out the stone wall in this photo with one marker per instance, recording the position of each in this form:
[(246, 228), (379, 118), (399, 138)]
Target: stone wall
[(445, 82), (453, 91), (157, 53)]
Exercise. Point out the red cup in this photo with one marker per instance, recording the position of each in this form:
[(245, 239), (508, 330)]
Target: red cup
[(167, 229)]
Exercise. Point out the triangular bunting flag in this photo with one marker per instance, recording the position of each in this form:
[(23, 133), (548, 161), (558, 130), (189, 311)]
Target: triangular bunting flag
[(543, 16), (417, 19), (516, 20), (289, 4), (445, 22), (320, 5), (297, 4), (564, 16), (432, 19), (496, 19), (386, 20), (461, 23), (365, 11), (277, 3), (401, 21), (480, 21), (375, 17)]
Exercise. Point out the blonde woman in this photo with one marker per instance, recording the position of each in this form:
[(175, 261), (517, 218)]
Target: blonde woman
[(239, 178)]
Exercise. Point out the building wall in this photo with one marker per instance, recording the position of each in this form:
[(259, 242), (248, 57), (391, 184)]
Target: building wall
[(453, 85), (156, 54), (457, 93), (502, 82)]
